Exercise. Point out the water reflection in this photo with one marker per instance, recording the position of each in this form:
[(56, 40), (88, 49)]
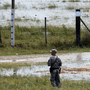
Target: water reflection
[(43, 70)]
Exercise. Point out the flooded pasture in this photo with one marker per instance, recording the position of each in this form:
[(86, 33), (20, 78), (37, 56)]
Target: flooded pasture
[(32, 12), (76, 66)]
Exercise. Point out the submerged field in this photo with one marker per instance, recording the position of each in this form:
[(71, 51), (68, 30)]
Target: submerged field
[(32, 12), (30, 39), (75, 66)]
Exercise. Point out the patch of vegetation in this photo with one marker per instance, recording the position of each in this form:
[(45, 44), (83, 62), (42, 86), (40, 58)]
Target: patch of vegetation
[(20, 64), (35, 20), (42, 8), (1, 45), (52, 6), (34, 7), (86, 9), (74, 0), (39, 83), (70, 7), (64, 1), (86, 39), (14, 64), (32, 40), (20, 6), (5, 6), (18, 19)]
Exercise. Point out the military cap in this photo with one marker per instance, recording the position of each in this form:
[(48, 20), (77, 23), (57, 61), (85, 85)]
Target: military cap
[(53, 50)]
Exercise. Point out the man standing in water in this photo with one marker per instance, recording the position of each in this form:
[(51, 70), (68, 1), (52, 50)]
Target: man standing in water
[(55, 63)]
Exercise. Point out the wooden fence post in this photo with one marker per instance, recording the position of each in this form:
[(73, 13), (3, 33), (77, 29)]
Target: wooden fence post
[(45, 32), (78, 14)]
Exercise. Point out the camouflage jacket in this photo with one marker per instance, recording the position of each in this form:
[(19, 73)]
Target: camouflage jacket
[(57, 61)]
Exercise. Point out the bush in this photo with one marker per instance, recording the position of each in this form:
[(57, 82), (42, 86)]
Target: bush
[(86, 39)]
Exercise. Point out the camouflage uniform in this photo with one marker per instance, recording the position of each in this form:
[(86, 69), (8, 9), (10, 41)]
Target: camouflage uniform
[(55, 79)]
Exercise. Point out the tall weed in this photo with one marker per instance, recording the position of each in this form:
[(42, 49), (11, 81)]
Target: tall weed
[(33, 38)]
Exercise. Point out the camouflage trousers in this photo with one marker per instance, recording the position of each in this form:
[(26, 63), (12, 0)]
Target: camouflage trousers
[(55, 79)]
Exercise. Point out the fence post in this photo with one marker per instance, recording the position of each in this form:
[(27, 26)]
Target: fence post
[(78, 14), (12, 23), (45, 31)]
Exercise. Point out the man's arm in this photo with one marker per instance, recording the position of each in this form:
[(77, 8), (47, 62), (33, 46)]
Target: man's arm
[(49, 62), (60, 64)]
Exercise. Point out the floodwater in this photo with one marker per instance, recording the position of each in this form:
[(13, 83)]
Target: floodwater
[(76, 66), (21, 60), (32, 12)]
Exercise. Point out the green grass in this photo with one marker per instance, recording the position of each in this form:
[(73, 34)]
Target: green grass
[(15, 64), (39, 83), (52, 6), (32, 40), (18, 19), (74, 0), (5, 6), (64, 1), (70, 7), (36, 83), (71, 1), (20, 64)]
